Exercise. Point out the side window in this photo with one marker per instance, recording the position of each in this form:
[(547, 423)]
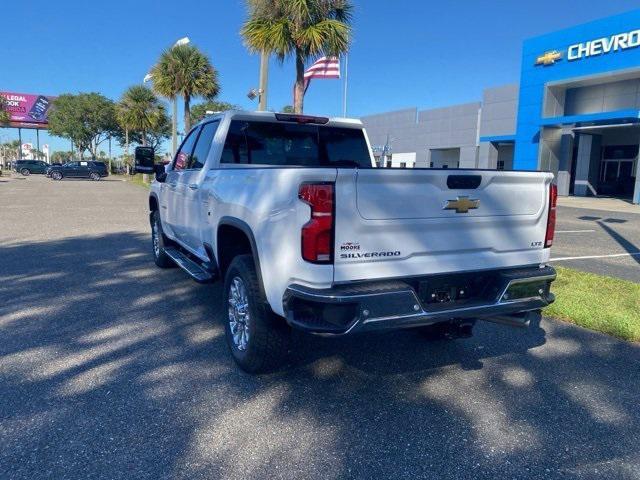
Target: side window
[(203, 146), (183, 156)]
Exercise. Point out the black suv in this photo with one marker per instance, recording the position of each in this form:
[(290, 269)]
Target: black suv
[(79, 169), (27, 167)]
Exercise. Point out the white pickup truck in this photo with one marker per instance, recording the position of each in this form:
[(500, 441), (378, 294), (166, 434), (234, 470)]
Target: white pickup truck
[(291, 213)]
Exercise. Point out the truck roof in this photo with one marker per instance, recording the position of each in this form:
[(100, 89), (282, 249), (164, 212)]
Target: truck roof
[(273, 117)]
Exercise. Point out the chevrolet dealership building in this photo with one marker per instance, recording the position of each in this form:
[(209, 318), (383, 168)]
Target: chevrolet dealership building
[(576, 112)]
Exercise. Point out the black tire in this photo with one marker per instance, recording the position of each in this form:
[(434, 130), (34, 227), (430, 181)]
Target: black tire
[(56, 176), (160, 257), (25, 172), (94, 176), (268, 339)]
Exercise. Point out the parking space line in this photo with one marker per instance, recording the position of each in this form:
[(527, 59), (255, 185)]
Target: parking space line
[(588, 257), (575, 231)]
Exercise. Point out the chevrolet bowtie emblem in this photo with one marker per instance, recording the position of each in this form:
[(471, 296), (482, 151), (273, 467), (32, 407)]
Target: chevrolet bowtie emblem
[(549, 58), (462, 205)]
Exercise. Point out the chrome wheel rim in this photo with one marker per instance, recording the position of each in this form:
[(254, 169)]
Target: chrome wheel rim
[(156, 239), (239, 316)]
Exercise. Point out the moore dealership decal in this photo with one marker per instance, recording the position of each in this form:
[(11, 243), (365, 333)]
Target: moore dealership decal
[(592, 48)]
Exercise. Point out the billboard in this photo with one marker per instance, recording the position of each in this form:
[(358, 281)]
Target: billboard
[(28, 110)]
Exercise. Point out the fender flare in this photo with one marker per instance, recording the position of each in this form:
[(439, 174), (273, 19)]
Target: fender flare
[(153, 196), (246, 229)]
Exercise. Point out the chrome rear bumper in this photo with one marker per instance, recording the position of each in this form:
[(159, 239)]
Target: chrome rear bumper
[(396, 304)]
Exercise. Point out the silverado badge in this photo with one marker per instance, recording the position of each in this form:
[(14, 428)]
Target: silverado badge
[(461, 205)]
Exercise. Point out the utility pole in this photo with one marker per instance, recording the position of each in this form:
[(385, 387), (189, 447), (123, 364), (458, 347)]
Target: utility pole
[(264, 80)]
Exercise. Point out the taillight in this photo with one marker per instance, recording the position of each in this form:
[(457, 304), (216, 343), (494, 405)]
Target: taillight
[(551, 219), (317, 233)]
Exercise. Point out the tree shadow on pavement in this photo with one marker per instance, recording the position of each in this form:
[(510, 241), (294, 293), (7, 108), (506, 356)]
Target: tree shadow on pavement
[(112, 368)]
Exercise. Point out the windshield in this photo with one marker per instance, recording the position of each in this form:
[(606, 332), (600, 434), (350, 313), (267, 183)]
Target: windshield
[(290, 144)]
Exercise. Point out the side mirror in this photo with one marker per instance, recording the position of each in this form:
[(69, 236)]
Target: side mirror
[(144, 158), (161, 174)]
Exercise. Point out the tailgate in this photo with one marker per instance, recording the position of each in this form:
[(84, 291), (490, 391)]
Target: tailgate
[(397, 223)]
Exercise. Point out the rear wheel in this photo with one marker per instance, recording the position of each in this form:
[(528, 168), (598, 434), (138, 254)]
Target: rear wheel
[(257, 338), (26, 172), (56, 175), (94, 176), (159, 242)]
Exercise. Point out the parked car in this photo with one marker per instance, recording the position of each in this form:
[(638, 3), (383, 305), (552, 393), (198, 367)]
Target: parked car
[(291, 213), (27, 167), (48, 172), (79, 169)]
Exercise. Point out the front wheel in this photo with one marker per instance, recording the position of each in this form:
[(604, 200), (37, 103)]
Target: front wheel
[(26, 172), (257, 338), (56, 175), (159, 242), (94, 176)]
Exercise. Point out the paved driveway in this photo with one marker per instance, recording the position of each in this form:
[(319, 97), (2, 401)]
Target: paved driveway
[(111, 368)]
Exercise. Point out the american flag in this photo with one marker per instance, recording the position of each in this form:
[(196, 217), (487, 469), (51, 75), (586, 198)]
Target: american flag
[(325, 67)]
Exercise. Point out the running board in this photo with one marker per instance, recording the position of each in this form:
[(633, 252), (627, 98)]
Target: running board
[(195, 271)]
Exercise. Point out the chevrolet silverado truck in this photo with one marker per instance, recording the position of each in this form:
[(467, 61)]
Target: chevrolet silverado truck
[(290, 212)]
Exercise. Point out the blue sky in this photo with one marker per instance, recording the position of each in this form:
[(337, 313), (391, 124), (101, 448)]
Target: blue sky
[(405, 53)]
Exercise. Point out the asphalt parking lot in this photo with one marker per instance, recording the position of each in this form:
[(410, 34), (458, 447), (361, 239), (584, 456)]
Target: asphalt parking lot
[(113, 369), (599, 241)]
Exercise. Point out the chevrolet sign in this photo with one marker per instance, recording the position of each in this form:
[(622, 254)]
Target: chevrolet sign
[(600, 46), (596, 47)]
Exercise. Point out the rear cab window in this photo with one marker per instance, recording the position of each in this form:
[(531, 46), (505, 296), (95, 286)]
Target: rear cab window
[(295, 145)]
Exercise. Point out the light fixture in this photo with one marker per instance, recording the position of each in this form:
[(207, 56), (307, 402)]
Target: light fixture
[(254, 93)]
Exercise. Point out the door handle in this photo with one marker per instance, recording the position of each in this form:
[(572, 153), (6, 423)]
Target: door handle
[(193, 186)]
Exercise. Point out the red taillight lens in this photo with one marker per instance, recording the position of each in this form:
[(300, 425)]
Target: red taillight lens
[(317, 233), (551, 219)]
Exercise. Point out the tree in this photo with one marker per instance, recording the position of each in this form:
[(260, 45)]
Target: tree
[(61, 157), (302, 29), (186, 71), (4, 113), (288, 109), (199, 111), (157, 134), (140, 112), (87, 119)]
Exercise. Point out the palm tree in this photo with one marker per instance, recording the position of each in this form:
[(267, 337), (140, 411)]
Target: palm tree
[(139, 110), (186, 71), (303, 29)]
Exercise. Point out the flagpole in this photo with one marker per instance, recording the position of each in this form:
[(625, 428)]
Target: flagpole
[(346, 81)]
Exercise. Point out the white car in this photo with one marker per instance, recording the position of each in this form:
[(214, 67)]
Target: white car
[(291, 213)]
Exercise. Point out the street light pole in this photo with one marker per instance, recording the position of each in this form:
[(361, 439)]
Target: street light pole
[(264, 80), (174, 126)]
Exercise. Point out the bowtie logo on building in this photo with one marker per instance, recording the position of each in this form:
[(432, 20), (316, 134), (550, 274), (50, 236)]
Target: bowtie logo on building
[(549, 58)]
